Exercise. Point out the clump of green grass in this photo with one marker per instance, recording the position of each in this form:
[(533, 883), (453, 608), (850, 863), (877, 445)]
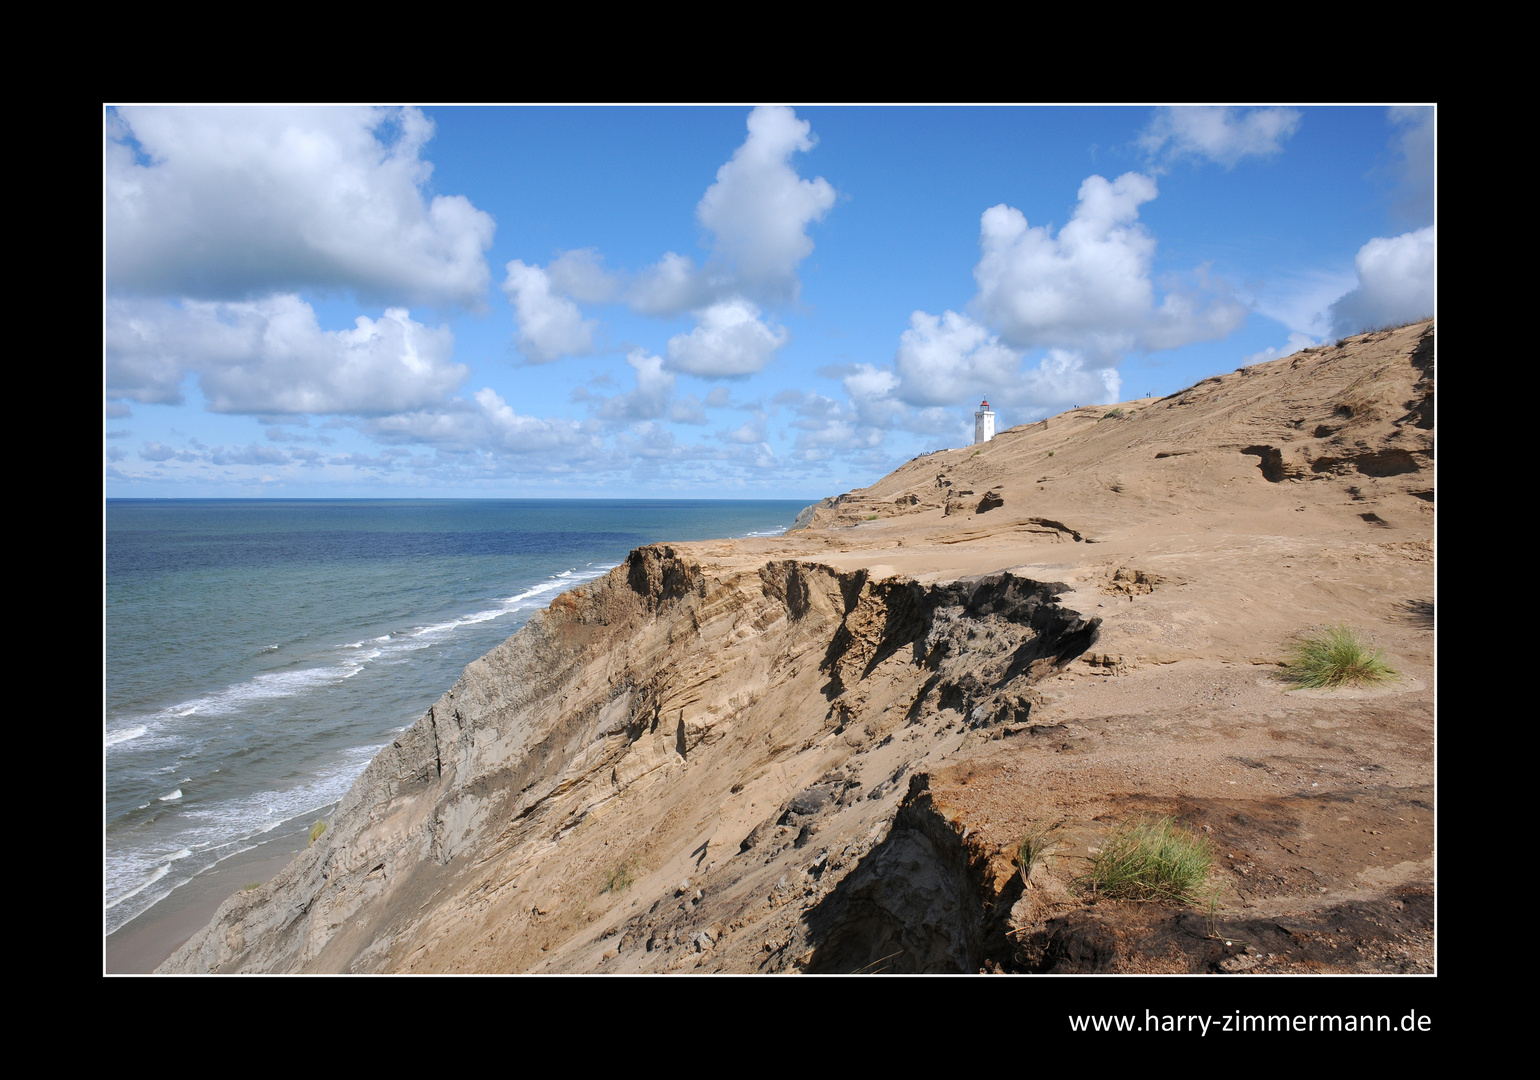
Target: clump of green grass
[(1151, 860), (870, 517), (1036, 846), (1113, 414), (253, 885), (1335, 657), (316, 830)]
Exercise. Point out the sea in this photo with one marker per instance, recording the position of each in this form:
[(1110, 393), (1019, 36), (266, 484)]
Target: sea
[(258, 653)]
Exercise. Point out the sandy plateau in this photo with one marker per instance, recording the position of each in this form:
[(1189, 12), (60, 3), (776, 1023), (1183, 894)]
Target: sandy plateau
[(819, 752)]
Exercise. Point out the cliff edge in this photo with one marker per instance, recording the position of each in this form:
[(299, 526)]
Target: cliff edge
[(819, 752)]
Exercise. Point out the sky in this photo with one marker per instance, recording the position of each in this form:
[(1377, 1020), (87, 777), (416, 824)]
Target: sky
[(714, 302)]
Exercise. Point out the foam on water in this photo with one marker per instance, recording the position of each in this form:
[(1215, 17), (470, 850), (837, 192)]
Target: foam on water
[(210, 833), (283, 720)]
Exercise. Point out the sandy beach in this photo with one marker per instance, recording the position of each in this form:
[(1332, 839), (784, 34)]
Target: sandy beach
[(139, 945)]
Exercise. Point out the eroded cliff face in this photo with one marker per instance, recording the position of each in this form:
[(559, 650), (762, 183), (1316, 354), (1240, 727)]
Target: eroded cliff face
[(820, 752), (674, 730)]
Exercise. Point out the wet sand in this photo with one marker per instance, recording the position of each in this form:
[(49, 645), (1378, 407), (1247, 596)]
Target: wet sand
[(139, 945)]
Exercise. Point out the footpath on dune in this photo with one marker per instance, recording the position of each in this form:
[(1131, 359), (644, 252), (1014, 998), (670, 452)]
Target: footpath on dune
[(821, 752)]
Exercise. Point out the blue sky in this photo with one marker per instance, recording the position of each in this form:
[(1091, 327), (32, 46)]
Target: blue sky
[(717, 302)]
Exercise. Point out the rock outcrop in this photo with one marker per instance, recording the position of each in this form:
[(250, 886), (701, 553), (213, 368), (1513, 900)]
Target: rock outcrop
[(819, 752)]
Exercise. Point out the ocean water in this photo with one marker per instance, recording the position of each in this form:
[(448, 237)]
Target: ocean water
[(259, 653)]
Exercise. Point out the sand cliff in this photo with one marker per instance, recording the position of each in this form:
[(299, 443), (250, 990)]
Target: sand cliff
[(818, 752)]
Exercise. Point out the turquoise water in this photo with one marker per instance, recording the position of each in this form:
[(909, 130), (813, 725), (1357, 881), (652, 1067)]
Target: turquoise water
[(259, 653)]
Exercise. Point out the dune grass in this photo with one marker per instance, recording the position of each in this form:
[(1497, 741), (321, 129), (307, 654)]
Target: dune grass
[(1335, 657), (621, 877), (1151, 860), (1035, 846)]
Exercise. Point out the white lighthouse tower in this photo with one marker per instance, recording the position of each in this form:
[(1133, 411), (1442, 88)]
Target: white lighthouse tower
[(983, 423)]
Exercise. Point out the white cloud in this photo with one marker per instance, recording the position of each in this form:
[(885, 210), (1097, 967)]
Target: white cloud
[(1089, 288), (728, 340), (1219, 134), (759, 208), (652, 395), (826, 427), (159, 451), (251, 454), (550, 326), (485, 423), (581, 275), (1063, 380), (1396, 282), (750, 433), (1296, 342), (231, 203), (673, 285), (271, 356), (945, 360), (953, 360)]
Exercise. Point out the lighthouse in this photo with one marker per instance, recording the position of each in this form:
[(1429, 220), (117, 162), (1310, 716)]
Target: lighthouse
[(983, 423)]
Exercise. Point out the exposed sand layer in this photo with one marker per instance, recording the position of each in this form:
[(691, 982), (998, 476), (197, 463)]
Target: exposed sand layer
[(819, 752)]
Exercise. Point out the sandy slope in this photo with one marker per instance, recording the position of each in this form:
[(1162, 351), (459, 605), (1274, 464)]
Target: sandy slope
[(819, 752)]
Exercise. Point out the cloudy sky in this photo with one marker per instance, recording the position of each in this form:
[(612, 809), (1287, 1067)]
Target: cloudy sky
[(708, 302)]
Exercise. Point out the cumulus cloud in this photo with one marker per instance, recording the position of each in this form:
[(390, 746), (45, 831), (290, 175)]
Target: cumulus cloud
[(672, 285), (159, 451), (550, 325), (759, 208), (729, 340), (942, 361), (953, 360), (486, 422), (251, 454), (233, 203), (271, 356), (581, 275), (1220, 134), (1396, 280), (750, 433), (826, 427), (1089, 289), (650, 399), (1064, 379), (757, 214)]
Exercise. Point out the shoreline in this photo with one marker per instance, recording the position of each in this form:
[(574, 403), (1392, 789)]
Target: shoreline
[(140, 945)]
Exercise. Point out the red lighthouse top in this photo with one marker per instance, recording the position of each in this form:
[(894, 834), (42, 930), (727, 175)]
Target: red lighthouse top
[(984, 404)]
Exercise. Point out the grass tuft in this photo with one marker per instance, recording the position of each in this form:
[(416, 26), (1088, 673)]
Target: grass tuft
[(1151, 860), (1113, 414), (1036, 846), (1335, 657), (621, 877), (316, 830)]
